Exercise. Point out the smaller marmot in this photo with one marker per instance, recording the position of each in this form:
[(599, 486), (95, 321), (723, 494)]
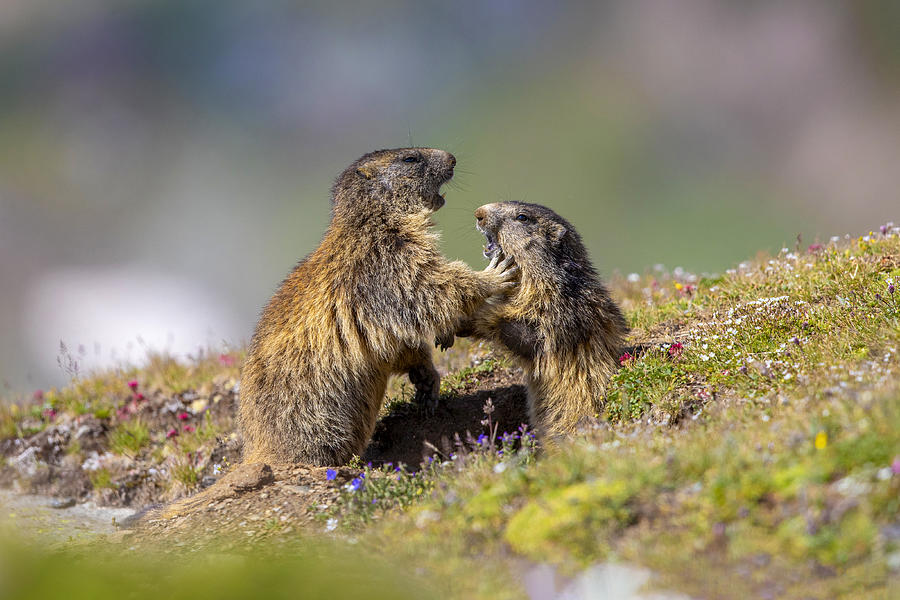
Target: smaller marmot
[(560, 324), (361, 307)]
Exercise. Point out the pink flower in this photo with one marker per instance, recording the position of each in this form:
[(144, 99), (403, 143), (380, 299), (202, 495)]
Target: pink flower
[(813, 248), (183, 416), (49, 413), (139, 396), (172, 433), (226, 360), (625, 358), (38, 395), (133, 384), (189, 428), (895, 466), (676, 349)]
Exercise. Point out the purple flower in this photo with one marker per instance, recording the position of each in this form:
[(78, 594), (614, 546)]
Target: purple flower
[(481, 439), (330, 474), (356, 484), (895, 466), (133, 384)]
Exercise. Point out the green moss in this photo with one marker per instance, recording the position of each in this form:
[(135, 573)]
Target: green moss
[(571, 523)]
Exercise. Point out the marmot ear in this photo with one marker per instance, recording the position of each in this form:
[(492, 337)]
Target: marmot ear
[(366, 171), (559, 231)]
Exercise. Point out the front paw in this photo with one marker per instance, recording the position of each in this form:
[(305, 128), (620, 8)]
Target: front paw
[(444, 342), (506, 272)]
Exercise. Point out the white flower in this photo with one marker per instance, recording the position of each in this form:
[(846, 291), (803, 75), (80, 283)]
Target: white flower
[(331, 524), (499, 467), (634, 277)]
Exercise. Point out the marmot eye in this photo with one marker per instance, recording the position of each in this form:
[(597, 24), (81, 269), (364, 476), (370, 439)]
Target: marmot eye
[(522, 218), (411, 159)]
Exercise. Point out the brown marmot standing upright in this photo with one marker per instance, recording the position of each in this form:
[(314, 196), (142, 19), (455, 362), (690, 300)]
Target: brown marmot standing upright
[(560, 324), (362, 306)]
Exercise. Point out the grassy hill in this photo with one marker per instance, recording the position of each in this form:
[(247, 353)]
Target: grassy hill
[(751, 449)]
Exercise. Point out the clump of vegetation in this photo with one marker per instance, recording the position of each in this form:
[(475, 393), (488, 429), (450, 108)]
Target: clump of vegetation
[(129, 438)]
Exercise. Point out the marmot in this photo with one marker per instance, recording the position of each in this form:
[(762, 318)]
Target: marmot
[(362, 306), (560, 324)]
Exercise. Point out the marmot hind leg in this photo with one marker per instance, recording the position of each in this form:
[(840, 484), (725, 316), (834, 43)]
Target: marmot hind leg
[(418, 366)]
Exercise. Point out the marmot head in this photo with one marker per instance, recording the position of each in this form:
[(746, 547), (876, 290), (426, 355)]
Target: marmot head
[(530, 233), (406, 177)]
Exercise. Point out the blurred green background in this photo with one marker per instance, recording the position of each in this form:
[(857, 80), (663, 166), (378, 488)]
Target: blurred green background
[(163, 164)]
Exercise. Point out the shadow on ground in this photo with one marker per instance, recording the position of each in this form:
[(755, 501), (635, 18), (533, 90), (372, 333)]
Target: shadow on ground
[(405, 433)]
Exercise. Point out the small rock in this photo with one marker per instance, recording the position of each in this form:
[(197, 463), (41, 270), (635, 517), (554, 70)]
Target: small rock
[(26, 463), (251, 476), (207, 481), (62, 503)]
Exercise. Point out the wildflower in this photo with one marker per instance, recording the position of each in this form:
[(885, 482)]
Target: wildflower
[(133, 384), (189, 428), (171, 433), (356, 484), (49, 413), (481, 439), (139, 396), (330, 474), (183, 416), (821, 440), (38, 395), (331, 524), (678, 286), (633, 277), (625, 358), (895, 466), (813, 248), (676, 349)]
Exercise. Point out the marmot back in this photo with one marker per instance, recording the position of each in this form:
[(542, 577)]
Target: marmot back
[(362, 306), (561, 324)]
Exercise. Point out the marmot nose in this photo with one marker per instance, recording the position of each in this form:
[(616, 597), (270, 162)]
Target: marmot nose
[(452, 160), (480, 214)]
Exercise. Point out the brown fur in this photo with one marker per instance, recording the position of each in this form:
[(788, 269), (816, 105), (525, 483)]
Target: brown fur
[(561, 324), (363, 306)]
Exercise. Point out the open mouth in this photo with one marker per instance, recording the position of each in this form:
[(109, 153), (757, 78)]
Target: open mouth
[(491, 246)]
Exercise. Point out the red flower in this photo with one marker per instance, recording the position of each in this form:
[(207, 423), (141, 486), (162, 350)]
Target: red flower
[(676, 349), (183, 416), (813, 248), (625, 358), (189, 428), (133, 384), (50, 413), (139, 396), (226, 360), (172, 433)]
